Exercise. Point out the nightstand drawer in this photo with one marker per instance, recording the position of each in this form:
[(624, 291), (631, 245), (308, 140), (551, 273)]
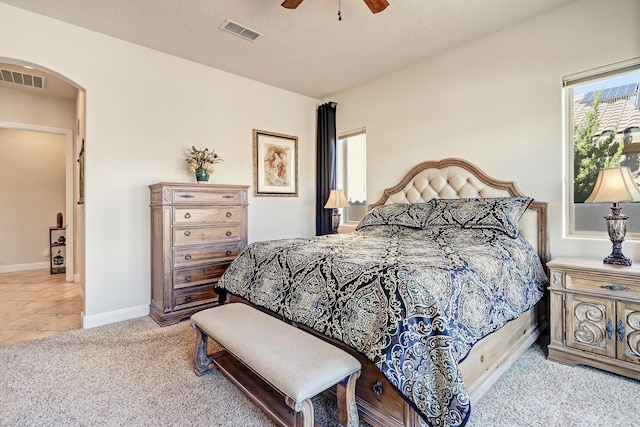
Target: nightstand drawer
[(576, 281), (194, 214), (183, 257), (204, 235), (194, 297), (189, 277)]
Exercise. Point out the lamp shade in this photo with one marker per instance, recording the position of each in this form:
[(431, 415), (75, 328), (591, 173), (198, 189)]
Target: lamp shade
[(614, 185), (336, 200)]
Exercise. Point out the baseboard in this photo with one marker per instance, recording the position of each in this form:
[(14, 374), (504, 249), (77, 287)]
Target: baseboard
[(23, 267), (114, 316)]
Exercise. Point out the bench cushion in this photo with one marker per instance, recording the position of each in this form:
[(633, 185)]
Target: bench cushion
[(293, 361)]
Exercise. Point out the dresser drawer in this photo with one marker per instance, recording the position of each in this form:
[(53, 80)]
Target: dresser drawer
[(194, 214), (193, 297), (207, 196), (189, 277), (204, 235), (183, 257)]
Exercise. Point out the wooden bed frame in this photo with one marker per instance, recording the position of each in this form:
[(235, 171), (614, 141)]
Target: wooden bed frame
[(491, 357)]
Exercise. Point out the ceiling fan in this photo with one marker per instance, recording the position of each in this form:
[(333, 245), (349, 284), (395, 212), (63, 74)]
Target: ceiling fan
[(374, 5)]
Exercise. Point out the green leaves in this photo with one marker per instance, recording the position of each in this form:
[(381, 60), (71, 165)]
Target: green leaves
[(592, 152)]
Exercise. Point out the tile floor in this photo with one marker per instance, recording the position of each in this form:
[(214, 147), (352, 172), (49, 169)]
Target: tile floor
[(37, 304)]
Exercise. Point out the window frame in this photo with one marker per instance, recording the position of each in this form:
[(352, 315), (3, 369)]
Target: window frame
[(568, 83), (341, 168)]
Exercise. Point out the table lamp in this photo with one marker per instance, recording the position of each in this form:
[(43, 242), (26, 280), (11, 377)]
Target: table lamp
[(615, 185), (336, 200)]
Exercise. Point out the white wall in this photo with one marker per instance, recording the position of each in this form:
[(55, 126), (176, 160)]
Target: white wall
[(32, 170), (140, 119), (496, 102)]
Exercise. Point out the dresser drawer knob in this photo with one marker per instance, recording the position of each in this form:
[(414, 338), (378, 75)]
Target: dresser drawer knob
[(187, 215), (615, 287), (377, 388), (610, 329), (188, 277), (187, 233), (228, 196), (187, 257), (228, 233), (228, 214), (621, 331), (187, 196), (188, 298), (228, 252)]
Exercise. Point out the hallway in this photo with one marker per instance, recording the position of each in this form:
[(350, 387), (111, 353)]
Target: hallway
[(37, 304)]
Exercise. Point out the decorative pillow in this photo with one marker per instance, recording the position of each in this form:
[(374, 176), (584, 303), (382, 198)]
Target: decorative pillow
[(500, 213), (412, 215)]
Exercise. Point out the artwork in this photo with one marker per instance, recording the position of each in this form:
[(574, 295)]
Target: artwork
[(81, 173), (275, 161)]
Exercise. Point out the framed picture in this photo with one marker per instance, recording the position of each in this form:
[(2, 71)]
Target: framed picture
[(275, 164), (81, 173)]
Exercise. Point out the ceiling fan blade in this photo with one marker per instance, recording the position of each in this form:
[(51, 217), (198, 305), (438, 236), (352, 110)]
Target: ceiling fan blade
[(377, 5), (291, 4)]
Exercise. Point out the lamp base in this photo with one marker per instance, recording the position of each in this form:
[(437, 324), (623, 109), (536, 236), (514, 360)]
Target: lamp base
[(335, 220), (617, 259), (617, 228)]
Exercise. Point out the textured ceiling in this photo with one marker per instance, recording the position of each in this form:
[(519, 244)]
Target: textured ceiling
[(306, 50)]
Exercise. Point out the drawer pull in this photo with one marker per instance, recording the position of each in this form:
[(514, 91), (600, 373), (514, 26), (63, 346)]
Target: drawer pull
[(377, 388), (615, 287), (187, 196), (187, 233), (610, 328), (187, 257), (228, 233), (188, 277), (187, 215), (621, 331), (228, 252), (188, 298), (228, 196), (229, 214)]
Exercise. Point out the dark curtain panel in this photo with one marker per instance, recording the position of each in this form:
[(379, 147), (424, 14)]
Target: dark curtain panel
[(326, 165)]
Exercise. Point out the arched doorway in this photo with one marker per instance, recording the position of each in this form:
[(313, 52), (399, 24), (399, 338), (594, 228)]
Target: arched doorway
[(37, 101)]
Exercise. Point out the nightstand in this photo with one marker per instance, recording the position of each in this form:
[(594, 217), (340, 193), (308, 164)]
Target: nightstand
[(595, 315)]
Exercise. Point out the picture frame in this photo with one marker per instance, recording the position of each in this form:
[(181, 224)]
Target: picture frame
[(81, 174), (275, 164)]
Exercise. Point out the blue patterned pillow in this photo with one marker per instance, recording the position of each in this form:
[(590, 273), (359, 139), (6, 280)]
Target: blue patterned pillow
[(500, 213), (412, 215)]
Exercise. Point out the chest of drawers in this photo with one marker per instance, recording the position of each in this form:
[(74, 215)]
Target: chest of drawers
[(196, 231)]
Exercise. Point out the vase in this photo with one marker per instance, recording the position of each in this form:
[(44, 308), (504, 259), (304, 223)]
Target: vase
[(202, 175)]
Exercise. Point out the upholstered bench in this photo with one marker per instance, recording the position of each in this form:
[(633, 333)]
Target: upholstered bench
[(279, 356)]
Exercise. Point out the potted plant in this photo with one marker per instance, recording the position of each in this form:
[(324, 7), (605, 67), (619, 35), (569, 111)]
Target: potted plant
[(201, 162)]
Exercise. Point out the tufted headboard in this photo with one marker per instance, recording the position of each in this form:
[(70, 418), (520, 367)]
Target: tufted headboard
[(456, 179)]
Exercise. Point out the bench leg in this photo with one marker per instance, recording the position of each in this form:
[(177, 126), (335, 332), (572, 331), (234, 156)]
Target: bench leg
[(201, 359), (346, 396), (303, 416)]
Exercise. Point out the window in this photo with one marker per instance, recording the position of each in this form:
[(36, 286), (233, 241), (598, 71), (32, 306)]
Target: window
[(351, 166), (602, 122)]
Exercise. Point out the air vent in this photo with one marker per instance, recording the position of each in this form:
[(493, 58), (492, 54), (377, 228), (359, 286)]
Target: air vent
[(240, 30), (23, 79)]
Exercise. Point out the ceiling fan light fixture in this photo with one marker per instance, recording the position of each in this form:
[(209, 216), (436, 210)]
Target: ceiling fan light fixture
[(374, 6)]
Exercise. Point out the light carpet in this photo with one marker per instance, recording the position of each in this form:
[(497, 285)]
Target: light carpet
[(135, 373)]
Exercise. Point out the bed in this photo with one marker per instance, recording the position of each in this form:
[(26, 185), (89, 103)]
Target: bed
[(438, 292)]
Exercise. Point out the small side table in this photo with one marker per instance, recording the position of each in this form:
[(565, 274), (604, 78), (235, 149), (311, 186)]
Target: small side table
[(57, 250), (595, 315)]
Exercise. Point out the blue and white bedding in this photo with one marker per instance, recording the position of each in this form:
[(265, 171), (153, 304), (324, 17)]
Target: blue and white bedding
[(408, 290)]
